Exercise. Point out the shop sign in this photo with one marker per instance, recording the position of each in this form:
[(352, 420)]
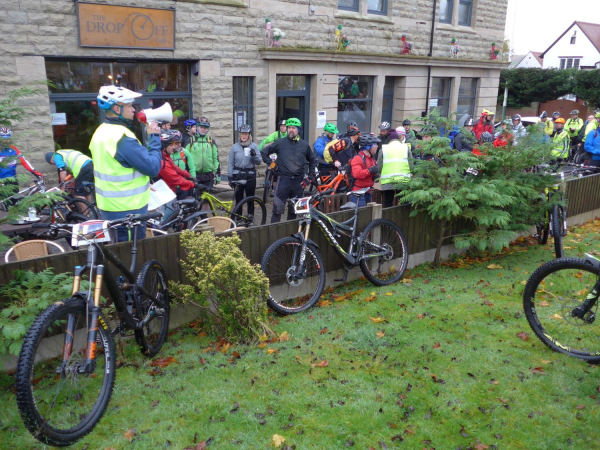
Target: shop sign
[(125, 27)]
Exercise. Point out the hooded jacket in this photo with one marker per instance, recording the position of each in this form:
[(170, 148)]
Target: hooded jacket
[(292, 156)]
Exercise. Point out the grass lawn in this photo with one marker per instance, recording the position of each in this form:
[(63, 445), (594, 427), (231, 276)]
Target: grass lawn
[(437, 361)]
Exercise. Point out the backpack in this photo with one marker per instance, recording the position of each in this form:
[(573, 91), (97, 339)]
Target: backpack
[(351, 180)]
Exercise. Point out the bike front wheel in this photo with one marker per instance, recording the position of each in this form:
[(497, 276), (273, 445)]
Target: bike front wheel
[(250, 212), (292, 291), (550, 300), (384, 252), (58, 403), (83, 208), (156, 309), (542, 231), (558, 230)]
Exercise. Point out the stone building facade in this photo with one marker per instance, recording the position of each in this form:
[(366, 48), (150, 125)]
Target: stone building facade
[(220, 67)]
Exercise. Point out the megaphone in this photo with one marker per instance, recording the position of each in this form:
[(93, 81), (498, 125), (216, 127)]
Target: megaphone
[(164, 113)]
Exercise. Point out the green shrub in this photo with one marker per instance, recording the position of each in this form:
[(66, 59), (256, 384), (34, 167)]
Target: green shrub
[(231, 292), (27, 294)]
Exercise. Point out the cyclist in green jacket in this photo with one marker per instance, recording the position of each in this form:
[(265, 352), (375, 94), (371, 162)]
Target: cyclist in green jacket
[(205, 154), (280, 133), (184, 160)]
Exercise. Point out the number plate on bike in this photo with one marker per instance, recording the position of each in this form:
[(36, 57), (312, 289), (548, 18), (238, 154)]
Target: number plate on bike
[(302, 206), (90, 231)]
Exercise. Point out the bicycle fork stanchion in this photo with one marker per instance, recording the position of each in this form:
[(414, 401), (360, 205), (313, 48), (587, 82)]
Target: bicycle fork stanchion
[(90, 353)]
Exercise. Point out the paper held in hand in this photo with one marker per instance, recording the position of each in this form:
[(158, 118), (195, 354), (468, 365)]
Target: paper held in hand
[(160, 194)]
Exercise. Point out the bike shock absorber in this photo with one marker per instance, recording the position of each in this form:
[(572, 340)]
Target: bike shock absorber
[(90, 351)]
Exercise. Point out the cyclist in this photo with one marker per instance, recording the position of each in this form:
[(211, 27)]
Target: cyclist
[(189, 137), (293, 154), (364, 169), (206, 155), (122, 165), (177, 179), (464, 142), (76, 164), (183, 159), (547, 124), (243, 157), (280, 133), (384, 129), (573, 126), (339, 152), (485, 123), (592, 147), (485, 138), (393, 163), (518, 129), (590, 125), (12, 155), (329, 132), (560, 139), (411, 135), (164, 125)]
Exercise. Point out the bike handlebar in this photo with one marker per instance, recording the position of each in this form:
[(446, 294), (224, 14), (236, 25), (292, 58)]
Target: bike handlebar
[(130, 218)]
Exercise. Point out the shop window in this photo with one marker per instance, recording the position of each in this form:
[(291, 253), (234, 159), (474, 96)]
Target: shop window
[(243, 103), (467, 92), (291, 83), (464, 12), (377, 7), (354, 101), (446, 11), (440, 95), (82, 119)]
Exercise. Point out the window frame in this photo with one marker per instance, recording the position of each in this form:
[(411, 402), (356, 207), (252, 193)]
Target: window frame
[(472, 97), (359, 100), (354, 8), (245, 105), (573, 40), (470, 5), (383, 12), (450, 11), (443, 98)]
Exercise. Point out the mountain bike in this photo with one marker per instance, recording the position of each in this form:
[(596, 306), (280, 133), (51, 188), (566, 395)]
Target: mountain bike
[(336, 183), (66, 367), (554, 222), (38, 186), (270, 180), (561, 302), (294, 265)]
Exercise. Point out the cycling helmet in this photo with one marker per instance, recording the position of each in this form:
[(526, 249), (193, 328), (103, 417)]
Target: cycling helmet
[(168, 137), (352, 124), (245, 128), (281, 122), (555, 114), (5, 133), (486, 136), (189, 124), (385, 126), (49, 156), (365, 142), (353, 131), (470, 122), (507, 122), (516, 117), (405, 122), (560, 120), (487, 112), (575, 111), (330, 128), (293, 122), (203, 122), (428, 130), (543, 115), (597, 115), (401, 131), (115, 95)]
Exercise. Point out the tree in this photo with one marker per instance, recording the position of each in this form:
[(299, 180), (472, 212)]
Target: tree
[(534, 85), (587, 86), (503, 199)]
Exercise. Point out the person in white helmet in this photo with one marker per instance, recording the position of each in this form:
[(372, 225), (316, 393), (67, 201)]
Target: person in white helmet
[(122, 165)]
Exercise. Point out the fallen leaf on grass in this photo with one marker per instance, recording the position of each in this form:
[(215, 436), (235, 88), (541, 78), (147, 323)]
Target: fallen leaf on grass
[(225, 347), (130, 434), (284, 337), (278, 440), (406, 281), (323, 303), (323, 363), (262, 345), (377, 319), (523, 336), (488, 303), (580, 407), (369, 299), (494, 266), (380, 334), (538, 370), (437, 345), (323, 331), (543, 303), (272, 350), (420, 316), (163, 362)]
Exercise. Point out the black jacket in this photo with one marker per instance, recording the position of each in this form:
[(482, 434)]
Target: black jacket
[(464, 143), (292, 156)]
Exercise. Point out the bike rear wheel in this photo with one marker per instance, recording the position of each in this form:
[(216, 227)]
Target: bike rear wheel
[(383, 235), (558, 230), (542, 231), (292, 293), (154, 333), (58, 404), (250, 212), (83, 208), (551, 295)]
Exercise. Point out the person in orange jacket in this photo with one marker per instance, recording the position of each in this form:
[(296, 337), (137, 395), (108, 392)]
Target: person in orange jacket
[(485, 123)]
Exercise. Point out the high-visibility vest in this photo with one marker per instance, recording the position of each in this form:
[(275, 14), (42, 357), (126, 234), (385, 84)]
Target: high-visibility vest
[(74, 160), (561, 145), (118, 188), (395, 163), (573, 123)]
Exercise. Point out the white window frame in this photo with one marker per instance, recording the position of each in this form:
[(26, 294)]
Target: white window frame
[(569, 63)]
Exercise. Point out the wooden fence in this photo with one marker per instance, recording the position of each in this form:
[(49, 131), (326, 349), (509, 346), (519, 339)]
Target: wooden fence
[(583, 195)]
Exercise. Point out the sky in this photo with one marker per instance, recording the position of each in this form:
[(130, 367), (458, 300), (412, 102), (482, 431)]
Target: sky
[(533, 25)]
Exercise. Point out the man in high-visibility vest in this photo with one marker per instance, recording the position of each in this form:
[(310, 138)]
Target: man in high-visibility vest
[(573, 126), (72, 162), (122, 165), (560, 140), (393, 164)]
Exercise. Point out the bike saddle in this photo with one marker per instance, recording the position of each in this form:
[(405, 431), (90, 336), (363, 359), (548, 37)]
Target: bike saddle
[(349, 205), (360, 192), (186, 201), (240, 182)]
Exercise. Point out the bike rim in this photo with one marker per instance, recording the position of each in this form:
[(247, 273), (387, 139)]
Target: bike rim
[(556, 296), (384, 267), (68, 402), (153, 331), (250, 214), (280, 270)]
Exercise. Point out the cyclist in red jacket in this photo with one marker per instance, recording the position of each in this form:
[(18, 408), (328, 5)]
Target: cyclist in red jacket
[(177, 179), (485, 123)]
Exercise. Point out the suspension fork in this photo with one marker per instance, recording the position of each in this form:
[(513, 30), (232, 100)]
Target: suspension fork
[(591, 299), (90, 351), (302, 235)]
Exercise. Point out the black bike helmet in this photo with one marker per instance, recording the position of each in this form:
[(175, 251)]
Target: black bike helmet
[(203, 122), (280, 122), (543, 115), (352, 125), (168, 137), (405, 122), (516, 117), (353, 131), (365, 142), (486, 137), (470, 122), (245, 128)]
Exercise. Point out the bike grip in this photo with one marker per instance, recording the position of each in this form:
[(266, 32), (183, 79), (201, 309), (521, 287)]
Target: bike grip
[(147, 216), (40, 225)]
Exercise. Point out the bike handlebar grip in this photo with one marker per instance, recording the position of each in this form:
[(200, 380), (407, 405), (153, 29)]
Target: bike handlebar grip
[(40, 225), (147, 216)]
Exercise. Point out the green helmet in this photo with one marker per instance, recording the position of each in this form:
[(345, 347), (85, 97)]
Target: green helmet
[(293, 123), (330, 128)]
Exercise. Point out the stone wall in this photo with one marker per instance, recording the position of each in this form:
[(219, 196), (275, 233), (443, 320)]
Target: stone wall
[(229, 33)]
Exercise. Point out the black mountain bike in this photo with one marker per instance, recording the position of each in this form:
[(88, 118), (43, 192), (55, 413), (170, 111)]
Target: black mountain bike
[(66, 367), (561, 302), (295, 267)]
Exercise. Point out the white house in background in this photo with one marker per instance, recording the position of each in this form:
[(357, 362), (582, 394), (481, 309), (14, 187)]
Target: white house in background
[(531, 59), (578, 47)]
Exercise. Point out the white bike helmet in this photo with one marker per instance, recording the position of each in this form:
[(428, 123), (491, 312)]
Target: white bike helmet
[(115, 95)]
